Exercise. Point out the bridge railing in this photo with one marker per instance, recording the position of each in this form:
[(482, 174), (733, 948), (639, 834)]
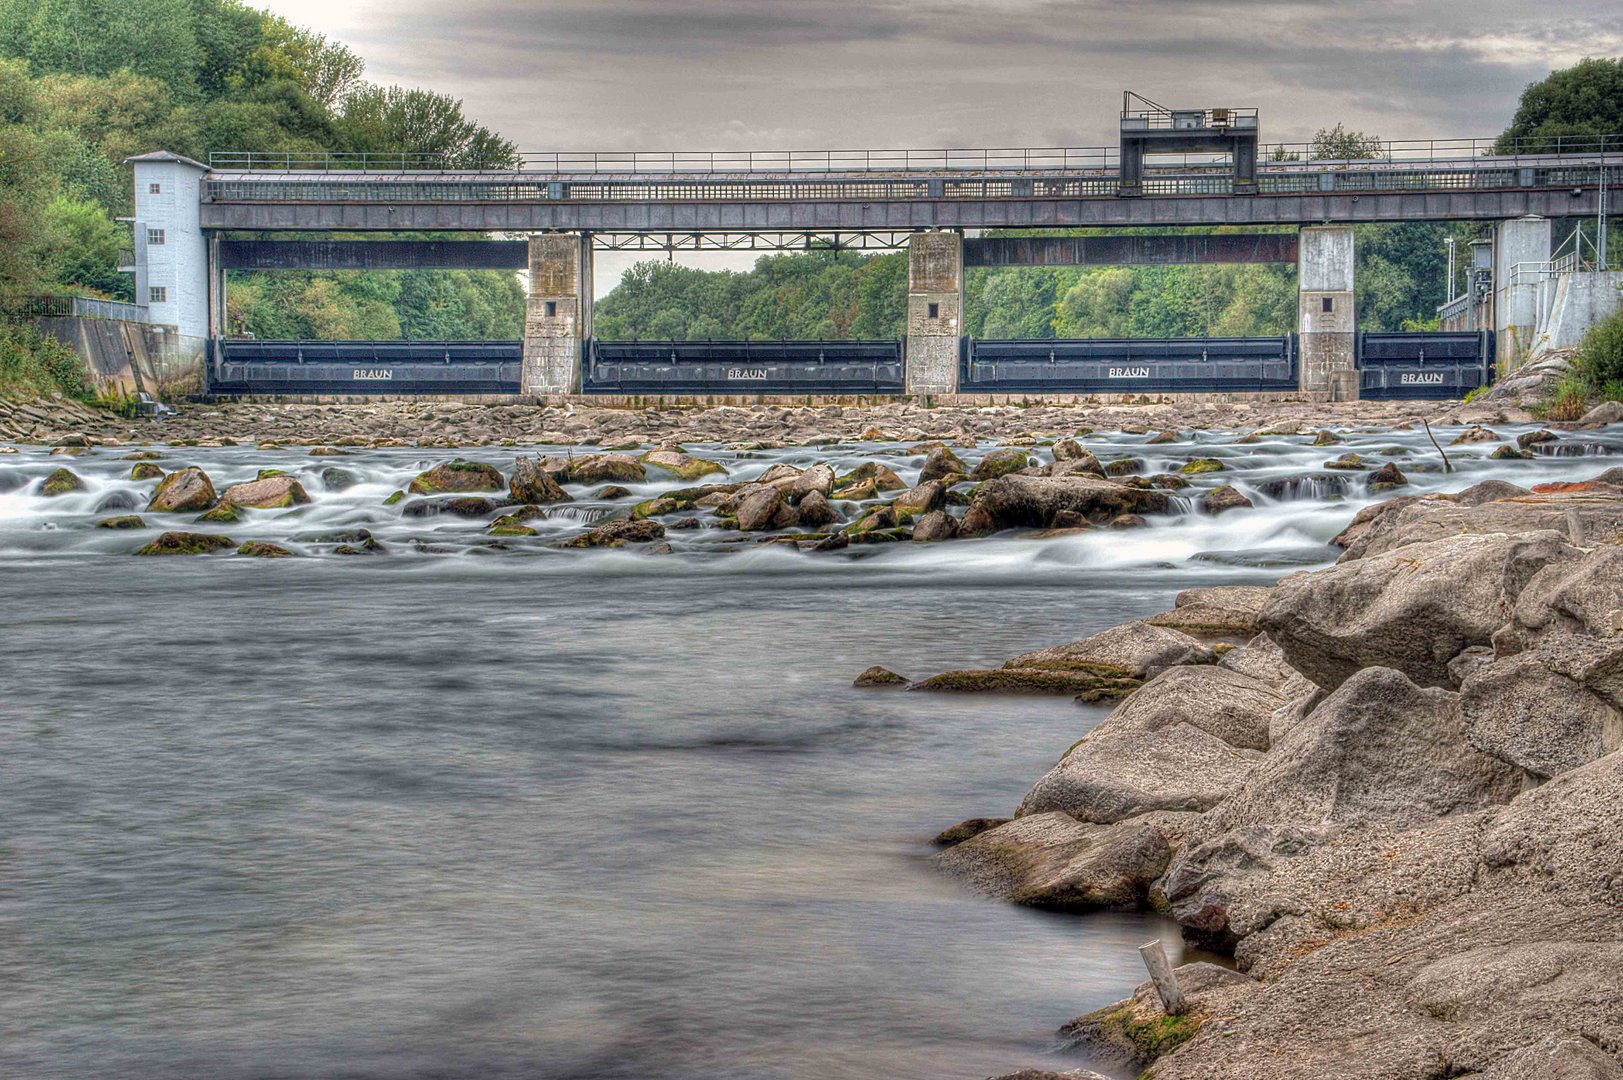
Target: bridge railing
[(1280, 156)]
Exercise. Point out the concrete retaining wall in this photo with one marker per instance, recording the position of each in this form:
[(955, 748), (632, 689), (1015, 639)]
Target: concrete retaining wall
[(1576, 302), (126, 358)]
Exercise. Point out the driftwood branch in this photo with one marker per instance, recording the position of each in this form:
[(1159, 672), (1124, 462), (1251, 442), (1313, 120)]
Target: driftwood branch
[(1447, 468), (1162, 975)]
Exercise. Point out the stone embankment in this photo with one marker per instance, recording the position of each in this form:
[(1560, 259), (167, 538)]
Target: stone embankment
[(1390, 790), (454, 424)]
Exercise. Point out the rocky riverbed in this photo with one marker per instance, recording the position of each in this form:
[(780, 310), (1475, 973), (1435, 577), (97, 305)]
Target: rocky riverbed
[(1388, 789)]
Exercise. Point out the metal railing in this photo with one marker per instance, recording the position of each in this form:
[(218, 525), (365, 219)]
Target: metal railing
[(992, 159), (84, 307)]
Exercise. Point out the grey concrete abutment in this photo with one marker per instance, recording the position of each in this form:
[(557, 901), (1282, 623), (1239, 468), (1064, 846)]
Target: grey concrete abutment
[(1326, 318), (558, 312)]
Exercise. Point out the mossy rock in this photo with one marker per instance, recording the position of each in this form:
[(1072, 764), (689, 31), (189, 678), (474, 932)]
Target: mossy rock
[(612, 491), (682, 464), (876, 520), (142, 455), (123, 521), (395, 498), (1024, 681), (1326, 438), (187, 543), (657, 508), (328, 451), (1001, 463), (187, 489), (1347, 463), (456, 476), (1510, 453), (1124, 466), (266, 474), (510, 525), (880, 477), (263, 549), (61, 482), (880, 676), (1202, 465), (857, 492), (224, 514), (145, 470), (1168, 482)]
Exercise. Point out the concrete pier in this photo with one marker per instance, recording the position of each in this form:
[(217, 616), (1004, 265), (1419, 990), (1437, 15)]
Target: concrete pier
[(558, 313), (1522, 243), (935, 306), (1326, 314)]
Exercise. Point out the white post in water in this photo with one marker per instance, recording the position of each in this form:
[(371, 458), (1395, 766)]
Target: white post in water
[(1161, 974)]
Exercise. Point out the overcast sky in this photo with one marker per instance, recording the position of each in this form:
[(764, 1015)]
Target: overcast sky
[(805, 74), (582, 75)]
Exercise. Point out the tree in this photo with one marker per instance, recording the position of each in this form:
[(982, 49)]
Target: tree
[(1339, 144), (81, 244), (420, 125), (1579, 103), (98, 37)]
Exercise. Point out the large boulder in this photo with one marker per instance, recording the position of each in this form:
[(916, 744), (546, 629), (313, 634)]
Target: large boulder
[(1134, 650), (998, 463), (457, 476), (186, 543), (940, 464), (1216, 610), (1594, 510), (272, 492), (1583, 598), (1054, 861), (758, 506), (920, 500), (183, 491), (1012, 502), (534, 485), (936, 525), (61, 482), (1413, 609), (1549, 709), (818, 478), (1554, 1057), (615, 534), (1183, 741)]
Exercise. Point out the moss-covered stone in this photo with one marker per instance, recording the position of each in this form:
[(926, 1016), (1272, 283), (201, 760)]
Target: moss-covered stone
[(187, 543), (612, 491), (1202, 465), (395, 498), (1126, 466), (223, 514), (123, 521), (266, 474), (267, 493), (1511, 453), (142, 455), (682, 464), (872, 473), (61, 482), (510, 525), (1326, 438), (1347, 463), (145, 470), (1024, 681), (263, 549), (188, 489), (456, 476), (1000, 463), (880, 676)]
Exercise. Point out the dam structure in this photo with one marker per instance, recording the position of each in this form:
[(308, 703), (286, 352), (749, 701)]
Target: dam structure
[(1173, 169)]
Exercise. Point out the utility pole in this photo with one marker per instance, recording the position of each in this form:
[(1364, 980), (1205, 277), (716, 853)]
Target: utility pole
[(1449, 241), (1600, 221)]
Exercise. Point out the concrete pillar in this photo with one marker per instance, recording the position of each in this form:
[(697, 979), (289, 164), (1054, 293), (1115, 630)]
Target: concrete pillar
[(1326, 318), (1525, 243), (935, 306), (558, 314)]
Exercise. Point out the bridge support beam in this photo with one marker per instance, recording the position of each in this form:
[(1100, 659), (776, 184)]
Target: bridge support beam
[(935, 305), (1326, 317), (1523, 242), (558, 313)]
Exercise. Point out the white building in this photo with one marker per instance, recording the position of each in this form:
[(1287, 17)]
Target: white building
[(171, 253)]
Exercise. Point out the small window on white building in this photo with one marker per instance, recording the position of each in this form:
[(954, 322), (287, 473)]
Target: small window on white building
[(155, 236), (157, 294), (154, 189)]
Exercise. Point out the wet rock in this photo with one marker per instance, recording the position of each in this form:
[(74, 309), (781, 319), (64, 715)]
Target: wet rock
[(1607, 412), (186, 543), (966, 829), (125, 521), (614, 534), (1554, 1057), (818, 479), (1055, 862), (1164, 437), (1008, 680), (269, 493), (601, 468), (1511, 453), (610, 492), (222, 514), (1534, 438), (115, 501), (871, 473), (511, 525), (1134, 650), (757, 507), (263, 549), (1168, 482), (1386, 478), (183, 490), (1068, 450), (466, 506), (998, 463), (1085, 465), (1347, 463), (1033, 501), (1217, 611), (1184, 741), (934, 526), (941, 464), (61, 482), (145, 470), (457, 475), (532, 484), (1413, 609), (1201, 465), (1474, 434), (879, 676), (142, 455), (335, 479), (1223, 498), (1131, 1034), (920, 500), (1326, 438), (816, 511), (682, 464), (879, 519), (1306, 485)]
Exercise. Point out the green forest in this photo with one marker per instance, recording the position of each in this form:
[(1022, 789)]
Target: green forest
[(84, 84)]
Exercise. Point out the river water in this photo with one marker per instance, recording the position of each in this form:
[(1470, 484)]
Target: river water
[(455, 811)]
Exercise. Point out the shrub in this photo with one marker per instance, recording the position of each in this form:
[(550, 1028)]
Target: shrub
[(1599, 359), (33, 364), (1568, 401)]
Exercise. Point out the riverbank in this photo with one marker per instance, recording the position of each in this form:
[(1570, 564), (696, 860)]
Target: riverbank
[(1389, 789), (453, 424)]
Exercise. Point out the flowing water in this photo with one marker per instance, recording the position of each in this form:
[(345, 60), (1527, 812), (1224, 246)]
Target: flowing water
[(462, 810)]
